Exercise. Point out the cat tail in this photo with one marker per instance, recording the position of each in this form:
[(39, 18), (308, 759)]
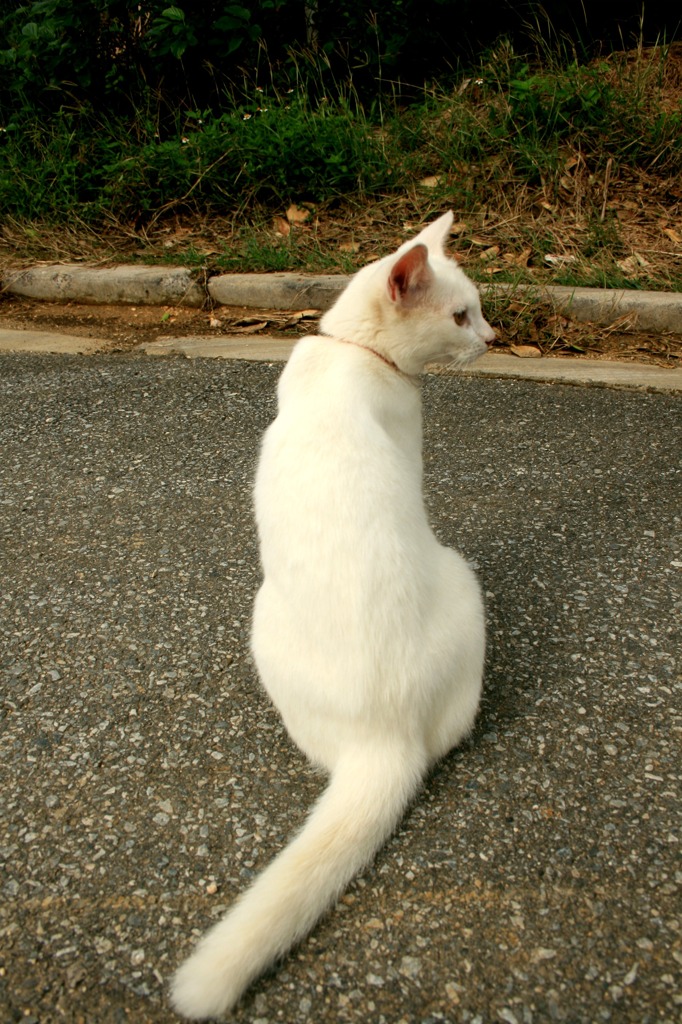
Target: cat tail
[(364, 801)]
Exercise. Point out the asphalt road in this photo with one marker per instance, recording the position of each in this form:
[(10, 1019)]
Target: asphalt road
[(144, 778)]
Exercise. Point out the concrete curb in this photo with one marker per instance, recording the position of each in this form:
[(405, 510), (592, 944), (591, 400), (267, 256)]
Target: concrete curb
[(607, 373), (277, 291), (133, 286), (649, 311), (251, 347), (50, 342), (271, 348), (646, 311)]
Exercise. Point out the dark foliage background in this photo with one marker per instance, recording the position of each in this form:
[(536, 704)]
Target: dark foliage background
[(116, 56)]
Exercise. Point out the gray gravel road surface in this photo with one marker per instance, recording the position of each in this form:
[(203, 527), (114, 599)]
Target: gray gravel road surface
[(144, 778)]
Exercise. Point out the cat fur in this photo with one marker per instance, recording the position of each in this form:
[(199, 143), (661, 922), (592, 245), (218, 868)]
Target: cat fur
[(368, 635)]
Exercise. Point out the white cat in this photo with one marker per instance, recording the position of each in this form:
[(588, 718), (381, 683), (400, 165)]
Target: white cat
[(368, 635)]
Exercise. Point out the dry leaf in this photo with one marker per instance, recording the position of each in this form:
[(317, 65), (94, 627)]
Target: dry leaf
[(349, 247), (632, 264), (431, 182), (248, 321), (526, 351), (281, 226), (213, 321), (673, 235), (297, 215), (489, 254), (459, 228), (559, 261), (251, 328), (304, 314), (558, 321), (518, 259)]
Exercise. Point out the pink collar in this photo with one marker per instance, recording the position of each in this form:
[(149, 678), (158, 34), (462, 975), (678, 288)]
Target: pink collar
[(366, 348)]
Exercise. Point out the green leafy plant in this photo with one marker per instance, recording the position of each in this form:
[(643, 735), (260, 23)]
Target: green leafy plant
[(171, 33)]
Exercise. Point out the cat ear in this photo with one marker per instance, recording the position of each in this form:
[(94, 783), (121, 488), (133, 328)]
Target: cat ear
[(410, 274), (435, 235)]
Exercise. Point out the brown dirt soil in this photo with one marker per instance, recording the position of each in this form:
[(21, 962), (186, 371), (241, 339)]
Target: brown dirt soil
[(127, 327)]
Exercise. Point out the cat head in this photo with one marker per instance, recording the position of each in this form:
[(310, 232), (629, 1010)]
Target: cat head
[(415, 306)]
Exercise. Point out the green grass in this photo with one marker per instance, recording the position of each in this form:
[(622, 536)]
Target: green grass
[(297, 253), (505, 124), (539, 144), (257, 252), (226, 163)]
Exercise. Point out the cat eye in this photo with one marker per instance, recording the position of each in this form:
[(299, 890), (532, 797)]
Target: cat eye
[(461, 317)]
